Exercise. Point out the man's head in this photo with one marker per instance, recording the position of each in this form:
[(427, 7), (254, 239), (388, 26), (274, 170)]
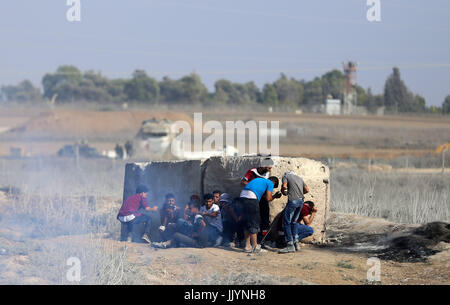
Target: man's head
[(142, 189), (216, 195), (195, 197), (225, 199), (194, 207), (265, 165), (170, 199), (275, 181), (208, 200), (310, 204)]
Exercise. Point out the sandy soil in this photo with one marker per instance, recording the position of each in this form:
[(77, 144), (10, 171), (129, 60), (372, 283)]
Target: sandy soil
[(311, 265)]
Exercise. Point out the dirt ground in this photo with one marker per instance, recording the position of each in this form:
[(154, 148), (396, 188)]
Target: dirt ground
[(311, 265)]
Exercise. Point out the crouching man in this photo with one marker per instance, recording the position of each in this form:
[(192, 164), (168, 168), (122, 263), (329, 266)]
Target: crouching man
[(211, 212), (135, 210), (170, 214), (232, 215), (307, 216), (191, 233)]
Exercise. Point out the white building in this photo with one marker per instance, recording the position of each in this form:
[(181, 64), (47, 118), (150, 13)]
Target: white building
[(333, 107)]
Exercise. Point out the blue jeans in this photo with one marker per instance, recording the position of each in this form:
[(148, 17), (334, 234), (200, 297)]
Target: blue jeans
[(213, 233), (290, 216), (184, 227), (136, 233), (302, 231)]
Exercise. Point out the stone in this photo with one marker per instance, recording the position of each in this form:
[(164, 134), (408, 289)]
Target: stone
[(225, 174), (181, 178), (184, 178)]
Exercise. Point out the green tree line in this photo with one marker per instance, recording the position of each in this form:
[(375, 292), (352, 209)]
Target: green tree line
[(69, 84)]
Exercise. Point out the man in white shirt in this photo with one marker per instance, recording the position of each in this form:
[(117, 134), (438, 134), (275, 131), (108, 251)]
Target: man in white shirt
[(211, 212)]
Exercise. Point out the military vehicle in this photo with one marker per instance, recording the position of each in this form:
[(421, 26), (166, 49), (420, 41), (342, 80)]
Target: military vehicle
[(156, 140), (152, 141)]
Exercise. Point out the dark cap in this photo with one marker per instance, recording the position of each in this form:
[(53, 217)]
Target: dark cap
[(141, 189)]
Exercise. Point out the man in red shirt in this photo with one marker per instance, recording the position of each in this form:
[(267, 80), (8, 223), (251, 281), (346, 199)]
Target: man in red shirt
[(306, 215), (301, 230), (135, 211), (263, 171)]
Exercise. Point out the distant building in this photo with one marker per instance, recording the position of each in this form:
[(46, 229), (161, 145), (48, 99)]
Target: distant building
[(350, 95), (333, 107)]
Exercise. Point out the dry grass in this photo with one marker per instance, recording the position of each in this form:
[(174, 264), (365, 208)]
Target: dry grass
[(399, 197), (50, 217)]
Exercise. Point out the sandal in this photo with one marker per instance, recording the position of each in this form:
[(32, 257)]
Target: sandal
[(248, 250)]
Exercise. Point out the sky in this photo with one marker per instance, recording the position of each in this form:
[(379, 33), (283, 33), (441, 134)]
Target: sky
[(240, 40)]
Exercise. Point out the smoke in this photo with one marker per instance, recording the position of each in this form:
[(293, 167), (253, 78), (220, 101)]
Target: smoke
[(44, 199)]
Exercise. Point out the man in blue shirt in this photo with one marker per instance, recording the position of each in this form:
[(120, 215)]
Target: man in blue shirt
[(250, 197)]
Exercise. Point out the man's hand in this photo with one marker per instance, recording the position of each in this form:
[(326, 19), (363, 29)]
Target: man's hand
[(277, 195)]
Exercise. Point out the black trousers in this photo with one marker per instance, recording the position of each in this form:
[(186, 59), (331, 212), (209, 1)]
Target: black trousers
[(230, 228), (252, 216), (264, 212), (186, 241)]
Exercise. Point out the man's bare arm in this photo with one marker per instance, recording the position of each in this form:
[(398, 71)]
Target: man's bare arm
[(305, 189), (203, 226), (309, 219), (213, 214), (284, 189), (164, 222), (269, 196)]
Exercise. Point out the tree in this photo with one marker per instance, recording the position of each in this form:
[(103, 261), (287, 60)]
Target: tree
[(187, 90), (419, 104), (313, 92), (398, 98), (289, 91), (193, 90), (333, 83), (253, 92), (142, 88), (23, 92), (115, 89), (446, 105), (67, 76), (374, 101), (270, 96), (227, 92), (220, 97), (361, 96)]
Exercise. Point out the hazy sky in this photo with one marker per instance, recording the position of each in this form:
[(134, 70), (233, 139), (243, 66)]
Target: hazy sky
[(239, 40)]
